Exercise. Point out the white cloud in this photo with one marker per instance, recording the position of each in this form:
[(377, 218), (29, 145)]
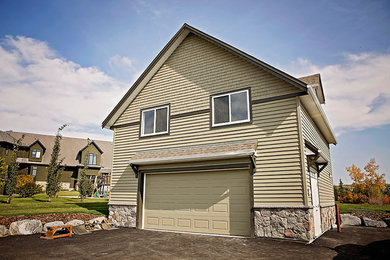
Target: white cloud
[(357, 90), (124, 68), (40, 91)]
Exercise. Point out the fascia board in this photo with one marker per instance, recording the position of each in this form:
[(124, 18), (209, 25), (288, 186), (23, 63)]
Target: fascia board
[(313, 106)]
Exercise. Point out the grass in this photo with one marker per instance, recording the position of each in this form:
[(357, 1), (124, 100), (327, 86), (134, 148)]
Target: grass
[(39, 205), (68, 193), (349, 208)]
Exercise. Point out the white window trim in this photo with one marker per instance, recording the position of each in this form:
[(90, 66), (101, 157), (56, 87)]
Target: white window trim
[(230, 108), (36, 152), (154, 125), (92, 156)]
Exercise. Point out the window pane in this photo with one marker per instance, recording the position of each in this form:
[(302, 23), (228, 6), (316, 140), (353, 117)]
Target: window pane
[(221, 109), (148, 122), (239, 106), (161, 120), (38, 155)]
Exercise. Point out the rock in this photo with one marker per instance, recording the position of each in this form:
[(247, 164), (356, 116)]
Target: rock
[(98, 220), (288, 233), (387, 221), (25, 227), (350, 220), (75, 222), (373, 223), (52, 224), (3, 231)]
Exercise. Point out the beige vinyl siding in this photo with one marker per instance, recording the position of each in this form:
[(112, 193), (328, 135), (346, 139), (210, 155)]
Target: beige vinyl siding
[(277, 180), (312, 134), (196, 70)]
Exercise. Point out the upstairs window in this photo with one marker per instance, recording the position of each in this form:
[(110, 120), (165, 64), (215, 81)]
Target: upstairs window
[(231, 108), (91, 159), (155, 121), (36, 153)]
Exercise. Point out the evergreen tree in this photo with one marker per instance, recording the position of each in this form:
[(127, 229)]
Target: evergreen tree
[(55, 168), (12, 175), (85, 187)]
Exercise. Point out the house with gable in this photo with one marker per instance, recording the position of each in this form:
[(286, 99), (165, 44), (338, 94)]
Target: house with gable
[(35, 153), (211, 140)]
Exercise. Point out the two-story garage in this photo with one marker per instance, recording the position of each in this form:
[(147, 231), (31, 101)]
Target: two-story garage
[(212, 140)]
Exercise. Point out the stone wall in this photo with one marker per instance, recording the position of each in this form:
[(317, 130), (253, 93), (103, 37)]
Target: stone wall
[(123, 215), (291, 223), (328, 217)]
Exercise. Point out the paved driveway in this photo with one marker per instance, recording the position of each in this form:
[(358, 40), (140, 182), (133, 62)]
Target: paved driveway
[(352, 243)]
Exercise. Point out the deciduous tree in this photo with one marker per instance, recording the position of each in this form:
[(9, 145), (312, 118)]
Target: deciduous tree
[(12, 175), (369, 183), (3, 172), (55, 168), (85, 187)]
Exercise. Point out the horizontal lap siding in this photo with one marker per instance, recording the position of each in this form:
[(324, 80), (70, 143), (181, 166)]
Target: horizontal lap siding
[(196, 70), (277, 179), (312, 134)]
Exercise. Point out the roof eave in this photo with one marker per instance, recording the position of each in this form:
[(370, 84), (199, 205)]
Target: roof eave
[(109, 121), (168, 50), (318, 115), (194, 158)]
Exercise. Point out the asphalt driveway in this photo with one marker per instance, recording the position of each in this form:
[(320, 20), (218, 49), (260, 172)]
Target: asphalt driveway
[(124, 243)]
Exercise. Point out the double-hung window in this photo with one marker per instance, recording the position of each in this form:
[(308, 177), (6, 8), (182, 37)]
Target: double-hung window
[(36, 153), (91, 159), (231, 108), (155, 121)]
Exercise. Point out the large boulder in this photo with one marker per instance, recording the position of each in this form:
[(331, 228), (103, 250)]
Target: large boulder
[(3, 231), (350, 220), (25, 227), (387, 221), (373, 223), (75, 222), (97, 220), (52, 224)]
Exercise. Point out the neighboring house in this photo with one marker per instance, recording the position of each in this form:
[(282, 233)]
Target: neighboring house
[(212, 140), (35, 153)]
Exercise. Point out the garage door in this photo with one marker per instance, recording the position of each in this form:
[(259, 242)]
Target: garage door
[(205, 202)]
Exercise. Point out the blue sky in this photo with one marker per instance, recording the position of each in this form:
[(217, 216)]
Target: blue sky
[(91, 52)]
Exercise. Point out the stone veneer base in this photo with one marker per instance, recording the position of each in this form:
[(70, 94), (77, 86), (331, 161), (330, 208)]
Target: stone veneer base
[(123, 215), (328, 217), (287, 223)]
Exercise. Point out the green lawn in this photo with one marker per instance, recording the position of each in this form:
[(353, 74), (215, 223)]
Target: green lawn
[(349, 208), (68, 193), (40, 205)]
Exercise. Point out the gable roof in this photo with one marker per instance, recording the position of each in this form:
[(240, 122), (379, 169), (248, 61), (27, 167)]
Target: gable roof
[(70, 147), (92, 142), (39, 142), (169, 49), (315, 80)]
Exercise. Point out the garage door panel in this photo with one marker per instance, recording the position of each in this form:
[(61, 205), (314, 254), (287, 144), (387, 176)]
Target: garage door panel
[(213, 202)]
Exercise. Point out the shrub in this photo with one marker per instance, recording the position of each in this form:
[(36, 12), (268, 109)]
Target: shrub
[(30, 189), (386, 199), (22, 180)]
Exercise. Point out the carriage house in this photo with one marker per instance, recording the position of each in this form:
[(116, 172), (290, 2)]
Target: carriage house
[(212, 140)]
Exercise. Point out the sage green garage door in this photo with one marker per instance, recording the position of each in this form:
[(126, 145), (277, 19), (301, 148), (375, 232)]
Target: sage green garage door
[(215, 202)]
